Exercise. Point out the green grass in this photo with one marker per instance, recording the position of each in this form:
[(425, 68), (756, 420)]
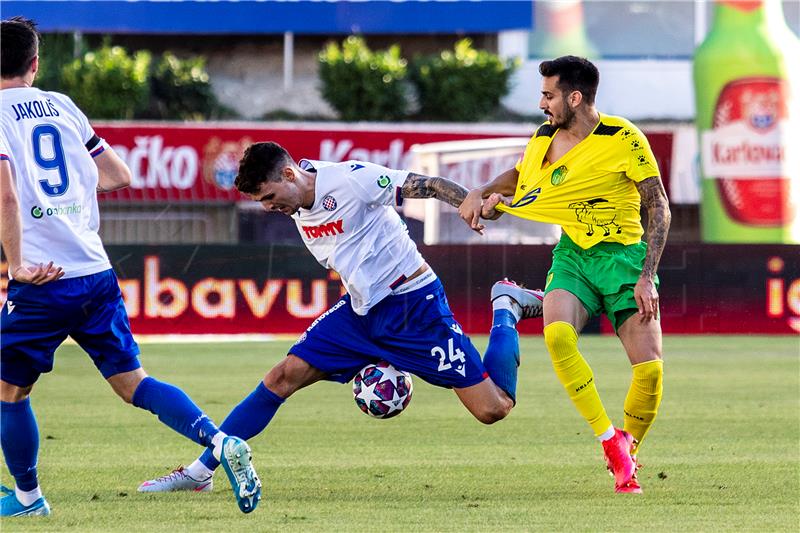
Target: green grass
[(724, 454)]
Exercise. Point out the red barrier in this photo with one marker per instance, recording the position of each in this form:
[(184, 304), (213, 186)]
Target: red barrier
[(185, 163), (733, 289)]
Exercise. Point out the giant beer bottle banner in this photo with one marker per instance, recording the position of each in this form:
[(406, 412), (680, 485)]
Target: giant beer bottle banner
[(746, 78)]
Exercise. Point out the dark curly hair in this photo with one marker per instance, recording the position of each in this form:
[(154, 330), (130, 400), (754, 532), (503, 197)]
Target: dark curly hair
[(574, 74), (261, 162), (19, 44)]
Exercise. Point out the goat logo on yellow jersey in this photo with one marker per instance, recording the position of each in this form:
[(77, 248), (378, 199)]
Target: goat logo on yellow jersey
[(596, 212)]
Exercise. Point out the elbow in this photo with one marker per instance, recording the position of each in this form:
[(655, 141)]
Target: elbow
[(124, 178)]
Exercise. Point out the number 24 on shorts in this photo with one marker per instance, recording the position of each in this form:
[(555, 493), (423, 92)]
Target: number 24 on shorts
[(454, 356)]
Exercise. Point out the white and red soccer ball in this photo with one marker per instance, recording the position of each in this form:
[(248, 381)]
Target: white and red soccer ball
[(382, 391)]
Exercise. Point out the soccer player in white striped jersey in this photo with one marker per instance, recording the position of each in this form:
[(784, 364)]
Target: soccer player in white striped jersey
[(52, 165), (395, 308)]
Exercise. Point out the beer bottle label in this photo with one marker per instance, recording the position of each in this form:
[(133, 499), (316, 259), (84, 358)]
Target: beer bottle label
[(747, 151)]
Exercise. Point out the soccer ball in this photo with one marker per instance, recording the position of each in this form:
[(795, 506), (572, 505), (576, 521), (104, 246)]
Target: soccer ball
[(382, 391)]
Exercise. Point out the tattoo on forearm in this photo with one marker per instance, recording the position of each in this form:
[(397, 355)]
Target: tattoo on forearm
[(654, 199), (419, 186)]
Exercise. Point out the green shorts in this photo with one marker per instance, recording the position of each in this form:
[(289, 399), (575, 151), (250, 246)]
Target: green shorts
[(602, 277)]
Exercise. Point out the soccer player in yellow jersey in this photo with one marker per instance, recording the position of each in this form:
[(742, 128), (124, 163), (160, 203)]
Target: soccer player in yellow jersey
[(590, 173)]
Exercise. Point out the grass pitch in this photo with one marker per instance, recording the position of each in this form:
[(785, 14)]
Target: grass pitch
[(724, 454)]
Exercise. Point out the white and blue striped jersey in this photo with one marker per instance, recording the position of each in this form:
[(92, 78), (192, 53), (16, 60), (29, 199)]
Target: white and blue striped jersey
[(50, 146), (353, 228)]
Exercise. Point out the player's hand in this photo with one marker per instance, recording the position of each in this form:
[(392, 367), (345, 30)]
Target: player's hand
[(646, 297), (488, 210), (38, 275), (470, 210)]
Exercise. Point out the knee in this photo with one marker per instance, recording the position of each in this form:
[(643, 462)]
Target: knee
[(126, 383), (494, 412), (650, 372), (285, 378), (561, 339)]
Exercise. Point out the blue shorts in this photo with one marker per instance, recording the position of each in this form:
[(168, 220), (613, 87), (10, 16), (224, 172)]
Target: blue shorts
[(38, 318), (415, 332)]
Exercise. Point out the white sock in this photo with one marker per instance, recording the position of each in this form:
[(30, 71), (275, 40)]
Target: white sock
[(607, 434), (198, 471), (216, 442), (27, 498), (505, 302)]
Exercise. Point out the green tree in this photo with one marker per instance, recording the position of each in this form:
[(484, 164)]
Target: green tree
[(108, 82), (464, 84), (361, 84)]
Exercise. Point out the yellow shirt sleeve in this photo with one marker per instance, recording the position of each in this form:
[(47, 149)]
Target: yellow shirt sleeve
[(641, 163)]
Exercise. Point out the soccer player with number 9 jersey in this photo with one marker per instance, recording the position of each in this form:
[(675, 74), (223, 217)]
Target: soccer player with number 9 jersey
[(52, 165)]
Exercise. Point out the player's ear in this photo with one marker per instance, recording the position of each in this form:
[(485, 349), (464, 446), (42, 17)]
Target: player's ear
[(288, 174), (575, 98)]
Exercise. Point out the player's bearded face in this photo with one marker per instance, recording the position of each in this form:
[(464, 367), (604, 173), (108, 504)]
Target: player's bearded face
[(554, 103)]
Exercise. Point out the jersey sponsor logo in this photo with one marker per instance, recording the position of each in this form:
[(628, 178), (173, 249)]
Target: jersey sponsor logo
[(329, 203), (57, 211), (596, 212), (34, 109), (355, 166), (10, 306), (559, 175), (336, 306), (384, 181), (328, 229), (529, 198)]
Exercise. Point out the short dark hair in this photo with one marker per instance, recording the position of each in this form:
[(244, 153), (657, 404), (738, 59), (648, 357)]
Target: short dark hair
[(19, 42), (261, 162), (574, 74)]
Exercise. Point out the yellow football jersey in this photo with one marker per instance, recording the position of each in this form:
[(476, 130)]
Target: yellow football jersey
[(590, 192)]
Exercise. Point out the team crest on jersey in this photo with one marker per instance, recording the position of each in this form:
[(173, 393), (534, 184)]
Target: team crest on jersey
[(559, 175), (329, 203), (384, 181)]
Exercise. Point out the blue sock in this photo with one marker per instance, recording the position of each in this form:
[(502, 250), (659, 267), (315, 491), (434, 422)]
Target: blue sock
[(247, 419), (502, 355), (20, 439), (175, 409)]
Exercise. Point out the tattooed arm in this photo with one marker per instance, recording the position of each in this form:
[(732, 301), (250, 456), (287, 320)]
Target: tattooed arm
[(654, 199), (419, 186)]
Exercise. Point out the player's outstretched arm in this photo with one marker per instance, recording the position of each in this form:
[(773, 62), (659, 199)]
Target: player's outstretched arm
[(114, 173), (471, 209), (11, 230), (654, 199), (419, 186)]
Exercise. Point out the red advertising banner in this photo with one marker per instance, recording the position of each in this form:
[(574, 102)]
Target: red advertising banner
[(735, 289), (173, 162)]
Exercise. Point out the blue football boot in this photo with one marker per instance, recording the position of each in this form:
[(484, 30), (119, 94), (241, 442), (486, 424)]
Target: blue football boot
[(10, 505), (236, 459)]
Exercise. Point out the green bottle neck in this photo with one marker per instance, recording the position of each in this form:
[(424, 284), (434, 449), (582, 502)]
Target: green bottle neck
[(747, 15)]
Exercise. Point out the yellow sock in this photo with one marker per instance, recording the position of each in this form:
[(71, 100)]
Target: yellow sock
[(575, 375), (644, 397)]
